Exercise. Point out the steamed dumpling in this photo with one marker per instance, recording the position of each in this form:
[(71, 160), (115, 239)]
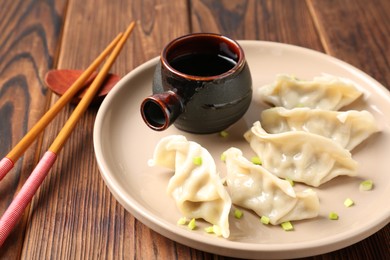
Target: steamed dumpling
[(324, 92), (347, 128), (196, 187), (301, 156), (253, 187)]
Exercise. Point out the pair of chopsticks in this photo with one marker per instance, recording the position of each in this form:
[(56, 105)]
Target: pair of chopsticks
[(23, 198)]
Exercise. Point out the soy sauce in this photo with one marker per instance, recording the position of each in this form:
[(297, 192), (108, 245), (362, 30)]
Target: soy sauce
[(203, 64)]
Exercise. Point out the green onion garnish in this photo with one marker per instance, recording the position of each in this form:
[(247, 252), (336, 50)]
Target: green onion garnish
[(366, 185), (290, 181), (217, 230), (287, 226), (192, 224), (333, 216), (265, 220), (214, 229), (238, 213), (348, 202), (182, 221), (256, 160), (224, 134), (223, 156), (209, 229), (197, 160)]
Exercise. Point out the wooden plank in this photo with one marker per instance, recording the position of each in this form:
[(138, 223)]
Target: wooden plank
[(366, 43), (74, 212), (267, 20), (29, 35)]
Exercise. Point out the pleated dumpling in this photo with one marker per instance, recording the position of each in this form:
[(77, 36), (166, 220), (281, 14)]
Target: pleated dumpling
[(323, 92), (301, 156), (196, 187), (347, 128), (253, 187)]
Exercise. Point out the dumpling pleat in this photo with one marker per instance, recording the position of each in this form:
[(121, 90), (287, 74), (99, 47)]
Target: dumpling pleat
[(196, 189), (253, 187), (301, 156)]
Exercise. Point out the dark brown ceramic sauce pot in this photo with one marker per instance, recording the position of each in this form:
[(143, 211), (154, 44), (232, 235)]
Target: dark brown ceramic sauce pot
[(202, 84)]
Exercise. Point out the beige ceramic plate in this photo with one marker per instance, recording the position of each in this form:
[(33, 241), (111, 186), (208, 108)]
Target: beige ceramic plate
[(123, 144)]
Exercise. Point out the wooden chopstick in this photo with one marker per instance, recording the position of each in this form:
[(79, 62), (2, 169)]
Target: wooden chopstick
[(7, 163), (23, 198), (89, 95)]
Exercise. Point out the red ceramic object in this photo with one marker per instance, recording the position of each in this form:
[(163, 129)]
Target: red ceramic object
[(60, 80)]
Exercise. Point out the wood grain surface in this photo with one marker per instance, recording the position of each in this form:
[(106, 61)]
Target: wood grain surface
[(73, 215), (29, 37)]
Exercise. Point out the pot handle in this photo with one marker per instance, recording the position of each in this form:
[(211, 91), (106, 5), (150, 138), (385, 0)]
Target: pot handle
[(160, 110)]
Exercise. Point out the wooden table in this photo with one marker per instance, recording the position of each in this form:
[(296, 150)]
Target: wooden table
[(73, 214)]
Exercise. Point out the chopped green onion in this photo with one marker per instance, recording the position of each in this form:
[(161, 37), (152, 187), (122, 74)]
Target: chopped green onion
[(214, 229), (224, 134), (209, 229), (287, 226), (290, 181), (223, 156), (366, 185), (333, 216), (348, 202), (256, 160), (192, 224), (182, 221), (197, 160), (300, 105), (217, 230), (265, 220), (238, 213)]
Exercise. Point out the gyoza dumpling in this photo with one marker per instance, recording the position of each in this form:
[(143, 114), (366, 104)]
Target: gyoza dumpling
[(195, 186), (324, 92), (347, 128), (300, 156), (252, 186)]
